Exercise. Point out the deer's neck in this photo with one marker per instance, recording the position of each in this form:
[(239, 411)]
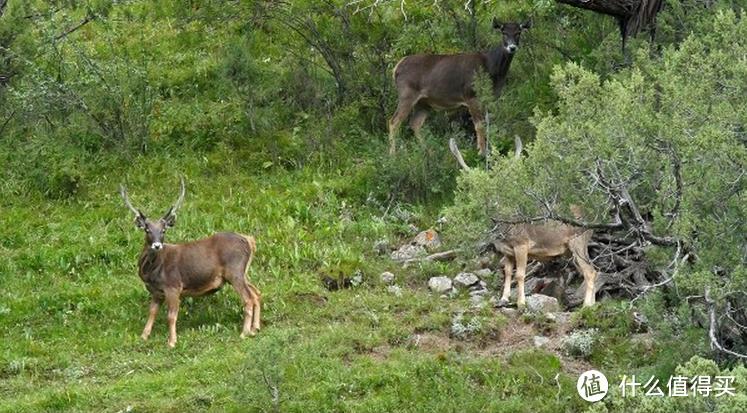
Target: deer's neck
[(150, 263), (498, 61)]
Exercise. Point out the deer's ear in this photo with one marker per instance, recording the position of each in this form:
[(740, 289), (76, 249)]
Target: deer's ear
[(169, 220), (140, 220), (496, 24), (526, 25)]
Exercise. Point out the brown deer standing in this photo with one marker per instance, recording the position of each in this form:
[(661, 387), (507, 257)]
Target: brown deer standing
[(196, 268), (543, 242), (428, 81)]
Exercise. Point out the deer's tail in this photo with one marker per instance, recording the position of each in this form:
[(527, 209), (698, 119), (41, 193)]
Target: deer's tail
[(252, 248)]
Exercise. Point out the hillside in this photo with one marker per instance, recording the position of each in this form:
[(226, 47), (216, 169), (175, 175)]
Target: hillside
[(276, 113)]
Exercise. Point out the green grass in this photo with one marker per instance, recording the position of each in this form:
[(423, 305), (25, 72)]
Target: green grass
[(72, 307)]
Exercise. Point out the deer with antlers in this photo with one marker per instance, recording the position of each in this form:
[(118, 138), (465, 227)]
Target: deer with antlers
[(195, 268)]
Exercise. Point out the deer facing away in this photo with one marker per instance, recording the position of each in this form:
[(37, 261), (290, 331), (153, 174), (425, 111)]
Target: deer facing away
[(195, 268)]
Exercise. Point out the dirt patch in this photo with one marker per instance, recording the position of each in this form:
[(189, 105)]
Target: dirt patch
[(516, 335)]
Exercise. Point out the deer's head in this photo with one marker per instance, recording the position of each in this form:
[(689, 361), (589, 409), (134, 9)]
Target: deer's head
[(511, 33), (155, 230)]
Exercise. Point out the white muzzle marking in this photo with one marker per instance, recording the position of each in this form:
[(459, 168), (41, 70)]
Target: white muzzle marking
[(156, 246)]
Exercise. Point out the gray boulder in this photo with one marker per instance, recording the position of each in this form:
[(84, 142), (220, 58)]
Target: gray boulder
[(465, 279), (439, 285), (387, 277), (539, 303), (407, 252), (428, 239)]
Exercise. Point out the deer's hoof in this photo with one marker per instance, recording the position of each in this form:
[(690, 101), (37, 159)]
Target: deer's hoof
[(144, 337), (251, 333), (172, 344)]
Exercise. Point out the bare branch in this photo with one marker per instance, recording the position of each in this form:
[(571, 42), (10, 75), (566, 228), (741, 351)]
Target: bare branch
[(517, 147), (89, 18), (458, 155), (439, 256), (712, 327)]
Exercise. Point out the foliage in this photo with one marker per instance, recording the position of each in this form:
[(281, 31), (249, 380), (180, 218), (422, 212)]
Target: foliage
[(668, 130), (276, 112)]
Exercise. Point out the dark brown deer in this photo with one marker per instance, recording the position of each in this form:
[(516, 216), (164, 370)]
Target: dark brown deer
[(445, 82), (196, 268), (543, 242)]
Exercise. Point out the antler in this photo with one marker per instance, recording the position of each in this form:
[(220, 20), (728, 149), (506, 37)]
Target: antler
[(123, 193), (178, 203)]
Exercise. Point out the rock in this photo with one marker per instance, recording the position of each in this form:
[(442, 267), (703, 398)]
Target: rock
[(428, 239), (540, 341), (454, 292), (478, 291), (539, 303), (387, 277), (465, 279), (483, 284), (407, 252), (551, 317), (395, 290), (484, 273), (439, 285)]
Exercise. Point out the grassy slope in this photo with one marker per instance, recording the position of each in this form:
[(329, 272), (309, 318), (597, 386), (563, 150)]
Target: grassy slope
[(72, 309)]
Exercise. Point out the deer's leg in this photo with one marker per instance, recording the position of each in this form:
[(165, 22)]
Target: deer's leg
[(155, 302), (479, 121), (508, 269), (579, 249), (521, 253), (172, 302), (417, 119), (257, 299), (240, 285), (405, 104)]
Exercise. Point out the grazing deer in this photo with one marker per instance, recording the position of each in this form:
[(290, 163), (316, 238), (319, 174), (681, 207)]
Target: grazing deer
[(196, 268), (542, 242), (428, 81)]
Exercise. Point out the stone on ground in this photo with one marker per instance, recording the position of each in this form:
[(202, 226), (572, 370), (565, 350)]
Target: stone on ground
[(439, 285), (539, 303)]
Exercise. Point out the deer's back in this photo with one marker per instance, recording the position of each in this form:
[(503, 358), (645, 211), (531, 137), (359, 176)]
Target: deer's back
[(438, 73)]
